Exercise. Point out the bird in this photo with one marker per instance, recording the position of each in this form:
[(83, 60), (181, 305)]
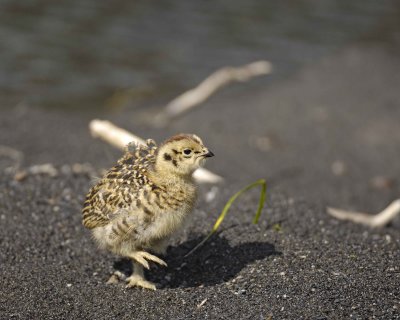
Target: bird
[(143, 200)]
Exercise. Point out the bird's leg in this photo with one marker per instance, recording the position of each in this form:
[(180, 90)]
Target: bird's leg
[(139, 261), (137, 278)]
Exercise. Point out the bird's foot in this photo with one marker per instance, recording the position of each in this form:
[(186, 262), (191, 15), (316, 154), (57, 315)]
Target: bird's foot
[(116, 277), (138, 281), (141, 256)]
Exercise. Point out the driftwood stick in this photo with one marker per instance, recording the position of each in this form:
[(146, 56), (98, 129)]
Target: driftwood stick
[(207, 87), (374, 221), (119, 138), (112, 134)]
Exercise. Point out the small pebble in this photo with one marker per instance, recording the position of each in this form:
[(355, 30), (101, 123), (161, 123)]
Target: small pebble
[(338, 168), (381, 182), (20, 175)]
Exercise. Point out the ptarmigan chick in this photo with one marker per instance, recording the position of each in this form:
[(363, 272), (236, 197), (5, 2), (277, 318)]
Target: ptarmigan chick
[(137, 206)]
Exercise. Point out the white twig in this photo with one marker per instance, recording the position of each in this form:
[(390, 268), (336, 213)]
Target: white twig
[(202, 303), (373, 221), (37, 169), (112, 134), (46, 168), (207, 87), (119, 138)]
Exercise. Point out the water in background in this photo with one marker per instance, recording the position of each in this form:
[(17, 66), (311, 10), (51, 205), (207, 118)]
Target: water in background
[(77, 54)]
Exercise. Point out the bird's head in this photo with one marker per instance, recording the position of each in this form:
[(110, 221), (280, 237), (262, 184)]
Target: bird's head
[(181, 155)]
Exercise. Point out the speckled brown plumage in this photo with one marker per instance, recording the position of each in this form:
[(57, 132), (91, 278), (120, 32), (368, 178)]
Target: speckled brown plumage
[(144, 199), (121, 186)]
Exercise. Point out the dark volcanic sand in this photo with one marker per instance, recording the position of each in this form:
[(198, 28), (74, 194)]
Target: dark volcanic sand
[(297, 263)]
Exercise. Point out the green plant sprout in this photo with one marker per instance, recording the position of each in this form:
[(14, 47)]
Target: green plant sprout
[(221, 217)]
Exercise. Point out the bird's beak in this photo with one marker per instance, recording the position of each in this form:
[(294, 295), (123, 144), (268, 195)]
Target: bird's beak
[(209, 154)]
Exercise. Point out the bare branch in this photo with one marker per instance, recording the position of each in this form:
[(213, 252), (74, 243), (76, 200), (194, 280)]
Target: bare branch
[(373, 221), (207, 87), (112, 134), (119, 138)]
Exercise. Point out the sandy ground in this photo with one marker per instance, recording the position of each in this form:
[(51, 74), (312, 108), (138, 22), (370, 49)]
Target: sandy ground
[(320, 138)]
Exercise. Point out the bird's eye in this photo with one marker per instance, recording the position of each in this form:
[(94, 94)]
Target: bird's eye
[(187, 151)]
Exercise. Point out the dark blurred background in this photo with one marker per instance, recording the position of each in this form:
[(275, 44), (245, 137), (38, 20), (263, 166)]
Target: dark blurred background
[(324, 125), (78, 55)]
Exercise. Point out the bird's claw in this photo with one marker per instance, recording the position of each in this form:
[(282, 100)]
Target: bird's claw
[(116, 277), (141, 256), (138, 281)]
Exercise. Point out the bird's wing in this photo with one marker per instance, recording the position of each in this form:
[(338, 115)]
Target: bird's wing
[(120, 186)]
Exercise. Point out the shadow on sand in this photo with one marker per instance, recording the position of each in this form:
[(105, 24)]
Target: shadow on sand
[(216, 262)]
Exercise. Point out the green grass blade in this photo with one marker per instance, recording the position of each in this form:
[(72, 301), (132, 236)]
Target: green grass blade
[(228, 205)]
